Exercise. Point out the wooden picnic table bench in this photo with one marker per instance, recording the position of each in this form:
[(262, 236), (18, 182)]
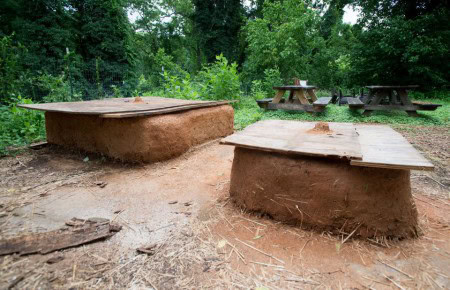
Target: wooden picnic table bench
[(389, 98), (301, 98)]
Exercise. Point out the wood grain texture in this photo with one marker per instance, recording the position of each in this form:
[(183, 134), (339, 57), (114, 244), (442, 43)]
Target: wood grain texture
[(383, 147), (44, 243), (363, 145), (164, 111), (292, 137), (119, 105)]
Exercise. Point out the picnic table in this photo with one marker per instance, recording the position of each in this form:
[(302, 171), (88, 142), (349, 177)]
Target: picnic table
[(389, 98), (301, 98)]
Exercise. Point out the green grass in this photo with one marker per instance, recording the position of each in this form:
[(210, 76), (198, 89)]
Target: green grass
[(20, 127), (248, 112)]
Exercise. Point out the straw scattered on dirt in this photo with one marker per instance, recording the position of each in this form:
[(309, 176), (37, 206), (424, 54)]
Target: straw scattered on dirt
[(197, 237)]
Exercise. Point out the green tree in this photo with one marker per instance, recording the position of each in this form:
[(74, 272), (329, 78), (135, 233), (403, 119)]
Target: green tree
[(216, 27), (286, 38), (44, 27), (403, 42), (173, 35), (12, 73), (332, 16), (104, 43)]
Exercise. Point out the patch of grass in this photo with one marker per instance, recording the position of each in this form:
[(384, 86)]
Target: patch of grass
[(248, 112)]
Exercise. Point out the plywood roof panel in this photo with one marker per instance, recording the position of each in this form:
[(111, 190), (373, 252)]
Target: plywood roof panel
[(383, 147), (293, 137), (363, 145), (117, 105)]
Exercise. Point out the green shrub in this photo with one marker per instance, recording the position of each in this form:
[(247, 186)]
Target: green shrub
[(57, 89), (219, 81), (20, 126), (257, 90), (272, 78), (179, 88)]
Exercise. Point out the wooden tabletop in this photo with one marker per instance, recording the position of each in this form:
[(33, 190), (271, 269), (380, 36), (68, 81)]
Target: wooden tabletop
[(294, 88), (363, 145), (392, 87)]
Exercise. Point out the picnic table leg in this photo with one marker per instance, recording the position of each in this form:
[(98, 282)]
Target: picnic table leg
[(300, 94), (312, 95), (291, 96), (406, 102), (278, 97), (376, 98), (392, 98)]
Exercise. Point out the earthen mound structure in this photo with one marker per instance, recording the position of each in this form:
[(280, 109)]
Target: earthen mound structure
[(325, 194), (140, 139)]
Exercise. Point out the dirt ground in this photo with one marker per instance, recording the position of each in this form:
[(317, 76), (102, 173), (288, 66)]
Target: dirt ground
[(203, 240)]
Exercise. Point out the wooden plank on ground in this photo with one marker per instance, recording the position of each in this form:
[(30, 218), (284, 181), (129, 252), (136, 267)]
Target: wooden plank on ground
[(80, 232), (292, 137), (383, 147), (109, 106)]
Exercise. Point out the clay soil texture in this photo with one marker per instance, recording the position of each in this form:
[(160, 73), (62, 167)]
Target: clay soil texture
[(325, 194), (140, 139), (199, 238)]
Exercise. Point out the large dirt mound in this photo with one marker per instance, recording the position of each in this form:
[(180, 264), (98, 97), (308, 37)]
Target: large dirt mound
[(325, 194), (141, 139)]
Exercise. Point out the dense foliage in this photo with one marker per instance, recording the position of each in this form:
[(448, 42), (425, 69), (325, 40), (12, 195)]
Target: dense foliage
[(66, 50), (403, 42)]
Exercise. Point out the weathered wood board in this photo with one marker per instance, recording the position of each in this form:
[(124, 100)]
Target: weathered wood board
[(383, 147), (292, 137), (363, 145), (116, 106), (164, 110), (80, 232)]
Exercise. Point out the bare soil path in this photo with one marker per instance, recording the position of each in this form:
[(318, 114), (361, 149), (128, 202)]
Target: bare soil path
[(201, 239)]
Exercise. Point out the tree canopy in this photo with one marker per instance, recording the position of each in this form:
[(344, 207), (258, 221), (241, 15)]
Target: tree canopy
[(98, 47)]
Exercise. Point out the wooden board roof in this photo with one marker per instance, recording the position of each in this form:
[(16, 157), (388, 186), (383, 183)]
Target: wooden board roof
[(293, 137), (122, 107), (363, 145), (383, 147)]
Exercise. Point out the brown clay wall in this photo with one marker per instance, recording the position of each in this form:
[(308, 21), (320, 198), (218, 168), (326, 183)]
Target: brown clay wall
[(325, 194), (140, 139)]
